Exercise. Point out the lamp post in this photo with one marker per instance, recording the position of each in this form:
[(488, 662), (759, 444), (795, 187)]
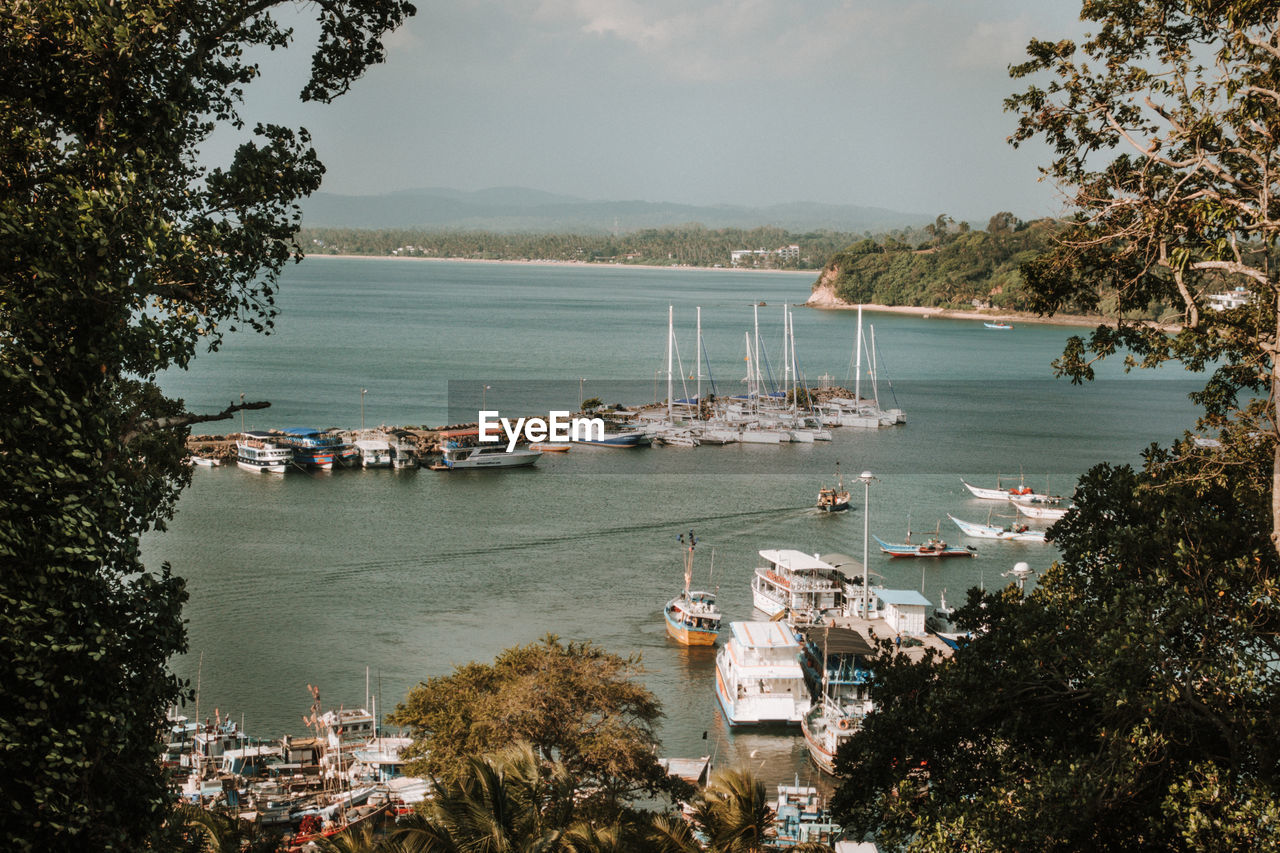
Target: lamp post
[(363, 391), (242, 414), (866, 479), (483, 390)]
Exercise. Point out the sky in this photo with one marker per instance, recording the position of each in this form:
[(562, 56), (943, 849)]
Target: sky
[(879, 103)]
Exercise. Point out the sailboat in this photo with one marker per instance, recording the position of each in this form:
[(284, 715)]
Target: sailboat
[(692, 617), (834, 499)]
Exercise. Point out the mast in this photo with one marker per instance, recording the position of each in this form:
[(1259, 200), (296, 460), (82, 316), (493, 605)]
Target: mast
[(857, 374), (697, 356), (795, 371), (875, 376), (755, 362), (670, 333)]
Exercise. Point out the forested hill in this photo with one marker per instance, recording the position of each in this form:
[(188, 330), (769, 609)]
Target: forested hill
[(953, 268)]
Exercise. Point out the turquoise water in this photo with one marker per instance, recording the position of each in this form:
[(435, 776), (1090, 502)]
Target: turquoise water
[(312, 578)]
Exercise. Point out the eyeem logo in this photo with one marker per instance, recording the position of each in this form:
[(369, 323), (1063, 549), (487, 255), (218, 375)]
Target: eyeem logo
[(557, 426)]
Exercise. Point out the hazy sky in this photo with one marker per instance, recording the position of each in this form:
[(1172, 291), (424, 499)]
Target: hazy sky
[(872, 102)]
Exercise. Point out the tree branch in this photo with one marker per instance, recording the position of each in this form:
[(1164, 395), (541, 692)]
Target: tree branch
[(187, 419)]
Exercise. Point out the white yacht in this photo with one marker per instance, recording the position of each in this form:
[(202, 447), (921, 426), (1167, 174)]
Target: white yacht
[(758, 675), (795, 581), (256, 451), (488, 456)]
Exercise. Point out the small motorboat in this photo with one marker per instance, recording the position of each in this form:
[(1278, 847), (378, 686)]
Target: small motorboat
[(834, 498), (932, 547)]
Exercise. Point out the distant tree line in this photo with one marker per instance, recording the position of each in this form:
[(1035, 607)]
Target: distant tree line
[(681, 245)]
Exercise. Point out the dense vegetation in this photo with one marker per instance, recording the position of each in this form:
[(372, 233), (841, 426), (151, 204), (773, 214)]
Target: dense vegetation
[(123, 255), (687, 245), (954, 268)]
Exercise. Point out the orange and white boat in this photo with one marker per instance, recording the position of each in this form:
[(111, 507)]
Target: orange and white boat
[(692, 617)]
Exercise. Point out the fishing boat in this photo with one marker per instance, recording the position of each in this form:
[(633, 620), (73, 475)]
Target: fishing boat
[(758, 675), (834, 499), (692, 617), (796, 583), (1046, 513), (1021, 493), (457, 457), (931, 547), (313, 448), (257, 451), (1012, 533), (835, 662), (998, 325)]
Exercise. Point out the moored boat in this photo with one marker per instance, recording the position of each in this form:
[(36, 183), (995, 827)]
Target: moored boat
[(758, 675), (795, 582), (313, 448), (1046, 513), (617, 440), (374, 452), (457, 458), (1021, 493), (258, 451), (206, 461), (931, 547), (835, 663), (1012, 533)]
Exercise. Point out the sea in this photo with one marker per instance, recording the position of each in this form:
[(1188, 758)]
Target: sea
[(365, 583)]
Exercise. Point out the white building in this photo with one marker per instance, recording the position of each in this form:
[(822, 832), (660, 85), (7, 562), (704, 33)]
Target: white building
[(755, 257), (903, 610)]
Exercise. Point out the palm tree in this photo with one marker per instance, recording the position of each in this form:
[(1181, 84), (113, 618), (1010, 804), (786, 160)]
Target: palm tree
[(732, 815), (510, 802)]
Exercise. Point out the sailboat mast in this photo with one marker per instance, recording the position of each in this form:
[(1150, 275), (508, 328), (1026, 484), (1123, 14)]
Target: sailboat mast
[(857, 370), (670, 335), (795, 371), (697, 356), (875, 377)]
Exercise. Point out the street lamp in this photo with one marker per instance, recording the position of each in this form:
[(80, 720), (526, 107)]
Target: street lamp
[(363, 391), (483, 390), (241, 414), (866, 479)]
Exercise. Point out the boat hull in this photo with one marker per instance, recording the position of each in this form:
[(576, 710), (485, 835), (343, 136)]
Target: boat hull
[(686, 636), (986, 531), (262, 467)]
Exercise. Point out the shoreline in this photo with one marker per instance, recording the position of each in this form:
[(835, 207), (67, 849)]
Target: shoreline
[(548, 262), (817, 298)]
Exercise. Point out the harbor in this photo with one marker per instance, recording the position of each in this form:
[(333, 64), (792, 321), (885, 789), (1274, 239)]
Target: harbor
[(300, 580)]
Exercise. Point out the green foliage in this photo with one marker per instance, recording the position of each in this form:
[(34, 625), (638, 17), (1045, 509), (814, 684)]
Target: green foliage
[(1184, 99), (684, 245), (959, 268), (122, 257), (575, 703), (1127, 704), (731, 815)]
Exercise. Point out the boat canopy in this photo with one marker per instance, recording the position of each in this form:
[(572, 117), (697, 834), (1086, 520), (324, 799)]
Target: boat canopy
[(796, 561), (838, 641), (301, 431)]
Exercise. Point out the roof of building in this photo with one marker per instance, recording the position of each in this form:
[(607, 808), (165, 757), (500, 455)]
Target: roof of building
[(902, 597), (796, 561)]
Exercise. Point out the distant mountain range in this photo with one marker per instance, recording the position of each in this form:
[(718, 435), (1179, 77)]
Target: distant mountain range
[(516, 209)]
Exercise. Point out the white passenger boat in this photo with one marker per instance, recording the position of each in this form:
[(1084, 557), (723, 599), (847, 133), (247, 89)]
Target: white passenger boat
[(255, 451), (488, 456), (1020, 493), (1013, 533), (758, 675), (374, 452), (797, 582)]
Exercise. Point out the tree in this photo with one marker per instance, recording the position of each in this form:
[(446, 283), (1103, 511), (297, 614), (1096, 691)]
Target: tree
[(731, 815), (1186, 98), (122, 256), (1127, 704), (574, 703)]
